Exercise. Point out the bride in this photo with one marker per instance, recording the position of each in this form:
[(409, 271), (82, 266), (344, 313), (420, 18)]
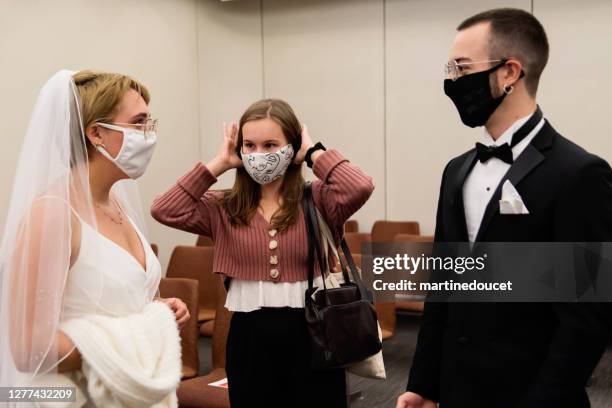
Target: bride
[(74, 243)]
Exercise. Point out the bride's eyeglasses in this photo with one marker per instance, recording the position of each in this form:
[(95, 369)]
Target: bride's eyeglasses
[(147, 126)]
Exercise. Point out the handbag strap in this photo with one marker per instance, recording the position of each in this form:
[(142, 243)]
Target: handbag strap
[(314, 242), (365, 294), (330, 243), (315, 245)]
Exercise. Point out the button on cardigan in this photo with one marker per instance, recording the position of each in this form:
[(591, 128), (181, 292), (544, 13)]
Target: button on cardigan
[(256, 251)]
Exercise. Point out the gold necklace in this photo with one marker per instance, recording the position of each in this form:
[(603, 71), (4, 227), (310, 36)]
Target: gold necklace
[(120, 222)]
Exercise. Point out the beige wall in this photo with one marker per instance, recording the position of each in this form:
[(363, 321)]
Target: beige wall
[(365, 75), (577, 85), (326, 59), (157, 44), (229, 69)]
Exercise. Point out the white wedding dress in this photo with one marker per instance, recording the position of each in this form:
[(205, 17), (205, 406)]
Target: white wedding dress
[(105, 298), (126, 286), (107, 280)]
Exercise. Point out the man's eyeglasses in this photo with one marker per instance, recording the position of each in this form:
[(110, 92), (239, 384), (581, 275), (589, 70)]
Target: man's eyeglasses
[(454, 69)]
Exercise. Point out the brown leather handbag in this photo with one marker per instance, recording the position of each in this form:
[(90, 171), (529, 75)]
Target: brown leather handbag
[(341, 320)]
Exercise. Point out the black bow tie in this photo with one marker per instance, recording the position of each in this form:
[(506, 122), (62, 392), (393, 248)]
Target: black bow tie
[(503, 152)]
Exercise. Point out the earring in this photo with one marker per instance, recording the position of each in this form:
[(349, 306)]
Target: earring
[(508, 89)]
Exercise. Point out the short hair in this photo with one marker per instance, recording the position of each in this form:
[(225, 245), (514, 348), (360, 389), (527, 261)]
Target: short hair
[(100, 94), (518, 34)]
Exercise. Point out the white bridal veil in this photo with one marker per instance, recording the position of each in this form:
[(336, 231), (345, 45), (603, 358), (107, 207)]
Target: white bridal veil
[(49, 201)]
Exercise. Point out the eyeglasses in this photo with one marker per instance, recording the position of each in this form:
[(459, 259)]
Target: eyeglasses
[(454, 69), (148, 127)]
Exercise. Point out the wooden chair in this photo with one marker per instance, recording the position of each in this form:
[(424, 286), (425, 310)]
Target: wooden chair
[(414, 306), (155, 249), (413, 238), (385, 231), (197, 263), (187, 291), (203, 240), (355, 239), (351, 226), (195, 392)]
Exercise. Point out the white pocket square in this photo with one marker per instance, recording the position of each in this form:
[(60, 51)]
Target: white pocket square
[(511, 201)]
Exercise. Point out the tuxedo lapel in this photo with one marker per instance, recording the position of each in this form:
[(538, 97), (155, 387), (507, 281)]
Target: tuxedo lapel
[(457, 193), (528, 160)]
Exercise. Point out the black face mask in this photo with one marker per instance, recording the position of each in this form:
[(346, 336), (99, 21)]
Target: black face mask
[(472, 96)]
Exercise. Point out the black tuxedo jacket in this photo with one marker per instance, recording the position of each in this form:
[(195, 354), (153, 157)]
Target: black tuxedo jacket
[(497, 355)]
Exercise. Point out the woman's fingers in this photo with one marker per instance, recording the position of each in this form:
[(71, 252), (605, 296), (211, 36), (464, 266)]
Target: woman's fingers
[(306, 144), (183, 319), (305, 134), (181, 311), (182, 314), (224, 130), (171, 303), (230, 135), (233, 133), (179, 308)]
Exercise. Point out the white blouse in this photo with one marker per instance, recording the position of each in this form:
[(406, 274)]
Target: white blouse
[(249, 295)]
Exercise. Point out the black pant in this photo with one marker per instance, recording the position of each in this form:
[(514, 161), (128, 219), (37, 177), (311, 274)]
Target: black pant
[(268, 363)]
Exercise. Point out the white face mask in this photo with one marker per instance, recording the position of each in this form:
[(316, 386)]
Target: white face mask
[(264, 168), (135, 153)]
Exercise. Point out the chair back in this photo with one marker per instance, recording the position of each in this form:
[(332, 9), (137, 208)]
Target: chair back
[(385, 231), (221, 328), (195, 263), (351, 226), (187, 291), (203, 240)]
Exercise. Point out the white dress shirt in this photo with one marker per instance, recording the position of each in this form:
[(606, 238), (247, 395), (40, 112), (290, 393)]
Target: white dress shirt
[(481, 183)]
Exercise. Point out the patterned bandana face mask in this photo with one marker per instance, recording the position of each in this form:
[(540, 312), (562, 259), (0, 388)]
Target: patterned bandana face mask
[(264, 168)]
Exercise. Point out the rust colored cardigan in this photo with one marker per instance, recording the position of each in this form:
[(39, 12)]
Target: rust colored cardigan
[(256, 251)]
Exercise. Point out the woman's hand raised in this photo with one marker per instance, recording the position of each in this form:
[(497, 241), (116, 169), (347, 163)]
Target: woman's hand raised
[(227, 158), (306, 144)]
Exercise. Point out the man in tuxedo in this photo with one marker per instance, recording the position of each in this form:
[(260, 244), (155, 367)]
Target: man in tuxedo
[(498, 355)]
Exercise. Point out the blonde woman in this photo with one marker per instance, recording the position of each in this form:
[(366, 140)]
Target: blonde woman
[(261, 247), (74, 243)]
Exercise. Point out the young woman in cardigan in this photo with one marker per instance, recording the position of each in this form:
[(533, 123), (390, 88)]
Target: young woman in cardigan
[(261, 245)]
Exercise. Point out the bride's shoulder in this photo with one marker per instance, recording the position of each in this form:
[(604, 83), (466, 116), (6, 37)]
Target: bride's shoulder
[(53, 208), (53, 216)]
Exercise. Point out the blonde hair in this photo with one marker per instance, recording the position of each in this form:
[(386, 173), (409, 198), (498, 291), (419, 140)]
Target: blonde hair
[(101, 92)]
